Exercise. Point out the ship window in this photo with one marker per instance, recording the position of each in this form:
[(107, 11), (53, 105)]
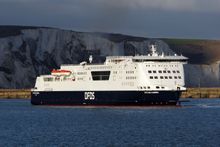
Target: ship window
[(164, 71), (57, 78), (154, 71), (170, 77), (81, 73), (168, 71), (175, 77), (129, 72), (149, 71), (155, 77), (162, 87), (178, 71), (179, 77), (100, 75), (160, 71), (161, 77), (151, 77), (48, 79), (157, 87), (148, 87), (79, 79), (166, 77), (174, 71)]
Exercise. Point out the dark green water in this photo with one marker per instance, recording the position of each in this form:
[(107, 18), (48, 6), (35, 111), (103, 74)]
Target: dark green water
[(195, 124)]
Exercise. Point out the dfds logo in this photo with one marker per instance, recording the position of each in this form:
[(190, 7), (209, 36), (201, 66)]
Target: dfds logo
[(89, 95)]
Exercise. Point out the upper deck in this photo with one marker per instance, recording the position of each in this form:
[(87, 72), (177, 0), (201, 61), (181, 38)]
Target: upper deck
[(154, 56), (145, 58)]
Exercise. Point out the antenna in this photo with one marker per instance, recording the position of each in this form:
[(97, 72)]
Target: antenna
[(153, 50), (162, 54), (90, 59)]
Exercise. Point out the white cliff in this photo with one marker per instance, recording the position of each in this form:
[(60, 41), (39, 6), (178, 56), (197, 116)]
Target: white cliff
[(36, 51)]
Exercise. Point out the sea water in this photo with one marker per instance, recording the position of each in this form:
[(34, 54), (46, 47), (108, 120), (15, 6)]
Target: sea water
[(196, 123)]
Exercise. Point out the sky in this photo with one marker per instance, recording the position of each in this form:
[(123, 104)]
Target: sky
[(199, 19)]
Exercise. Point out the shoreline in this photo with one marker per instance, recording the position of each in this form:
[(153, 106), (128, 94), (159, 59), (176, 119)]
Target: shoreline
[(189, 93), (194, 93), (15, 93)]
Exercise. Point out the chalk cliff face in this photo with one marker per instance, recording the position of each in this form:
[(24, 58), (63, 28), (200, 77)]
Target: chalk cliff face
[(202, 75), (29, 52)]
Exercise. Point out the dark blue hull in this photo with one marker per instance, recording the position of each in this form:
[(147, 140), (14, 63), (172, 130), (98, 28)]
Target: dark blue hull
[(105, 98)]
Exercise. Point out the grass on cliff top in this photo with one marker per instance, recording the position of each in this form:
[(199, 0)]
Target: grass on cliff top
[(182, 41), (197, 50)]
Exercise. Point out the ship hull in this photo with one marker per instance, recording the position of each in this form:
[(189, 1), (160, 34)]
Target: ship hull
[(105, 97)]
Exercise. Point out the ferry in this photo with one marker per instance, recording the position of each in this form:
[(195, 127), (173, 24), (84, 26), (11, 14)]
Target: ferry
[(151, 79)]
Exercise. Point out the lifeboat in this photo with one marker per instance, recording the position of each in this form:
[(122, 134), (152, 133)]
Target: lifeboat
[(60, 72)]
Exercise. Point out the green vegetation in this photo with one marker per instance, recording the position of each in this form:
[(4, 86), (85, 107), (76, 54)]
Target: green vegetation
[(182, 41), (197, 50)]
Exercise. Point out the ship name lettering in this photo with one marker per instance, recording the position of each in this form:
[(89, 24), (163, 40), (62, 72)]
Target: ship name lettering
[(36, 93)]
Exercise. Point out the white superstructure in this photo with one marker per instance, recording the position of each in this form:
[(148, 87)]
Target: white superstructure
[(152, 72)]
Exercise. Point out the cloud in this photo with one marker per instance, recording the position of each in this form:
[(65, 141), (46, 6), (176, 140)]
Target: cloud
[(181, 5), (194, 18), (170, 5), (167, 5)]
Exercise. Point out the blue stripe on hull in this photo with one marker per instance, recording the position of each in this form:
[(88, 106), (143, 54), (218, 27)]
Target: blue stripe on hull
[(105, 98)]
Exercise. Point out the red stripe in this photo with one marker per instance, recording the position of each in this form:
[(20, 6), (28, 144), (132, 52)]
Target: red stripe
[(60, 71)]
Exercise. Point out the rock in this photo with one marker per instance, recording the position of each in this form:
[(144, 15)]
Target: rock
[(33, 51)]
